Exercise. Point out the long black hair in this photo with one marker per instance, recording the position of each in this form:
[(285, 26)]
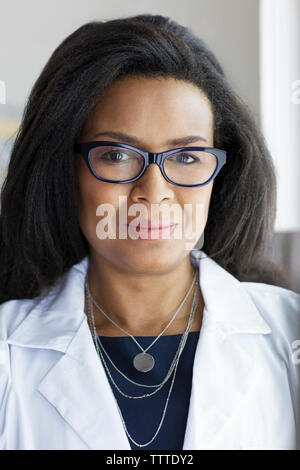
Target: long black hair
[(40, 237)]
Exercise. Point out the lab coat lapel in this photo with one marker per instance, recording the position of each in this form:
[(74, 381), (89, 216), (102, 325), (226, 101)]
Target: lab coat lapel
[(78, 388), (224, 370), (223, 375), (76, 385)]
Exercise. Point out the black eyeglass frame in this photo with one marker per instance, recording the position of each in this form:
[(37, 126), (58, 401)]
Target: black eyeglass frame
[(84, 148)]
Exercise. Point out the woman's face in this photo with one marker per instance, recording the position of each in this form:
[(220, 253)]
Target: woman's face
[(154, 111)]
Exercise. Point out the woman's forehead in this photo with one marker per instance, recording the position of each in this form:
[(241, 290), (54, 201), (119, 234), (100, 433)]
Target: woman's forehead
[(151, 108)]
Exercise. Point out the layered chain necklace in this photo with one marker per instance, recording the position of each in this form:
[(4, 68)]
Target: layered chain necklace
[(144, 361)]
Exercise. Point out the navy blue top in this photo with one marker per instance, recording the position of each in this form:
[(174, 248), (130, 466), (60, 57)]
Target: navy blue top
[(142, 416)]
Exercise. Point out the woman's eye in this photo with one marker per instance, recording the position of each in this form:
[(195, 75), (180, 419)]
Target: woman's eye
[(115, 156), (184, 158)]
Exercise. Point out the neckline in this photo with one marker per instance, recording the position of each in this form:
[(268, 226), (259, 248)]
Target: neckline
[(163, 336)]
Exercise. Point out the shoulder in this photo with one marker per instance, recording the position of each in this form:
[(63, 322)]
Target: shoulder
[(274, 301), (13, 312), (280, 307)]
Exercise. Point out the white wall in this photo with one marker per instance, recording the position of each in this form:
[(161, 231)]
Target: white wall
[(30, 30), (280, 102)]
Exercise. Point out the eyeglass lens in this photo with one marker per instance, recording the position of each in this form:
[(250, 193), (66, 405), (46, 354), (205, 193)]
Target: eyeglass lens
[(185, 167)]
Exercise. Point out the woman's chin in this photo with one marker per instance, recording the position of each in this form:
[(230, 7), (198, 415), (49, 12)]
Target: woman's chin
[(153, 260)]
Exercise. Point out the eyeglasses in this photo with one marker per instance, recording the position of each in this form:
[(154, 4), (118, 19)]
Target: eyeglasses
[(115, 162)]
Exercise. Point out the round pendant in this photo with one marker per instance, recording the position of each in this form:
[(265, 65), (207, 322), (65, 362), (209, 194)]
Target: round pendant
[(143, 362)]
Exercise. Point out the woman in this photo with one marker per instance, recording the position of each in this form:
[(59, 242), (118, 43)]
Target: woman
[(142, 340)]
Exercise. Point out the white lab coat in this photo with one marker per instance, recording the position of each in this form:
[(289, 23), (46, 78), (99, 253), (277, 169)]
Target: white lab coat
[(54, 392)]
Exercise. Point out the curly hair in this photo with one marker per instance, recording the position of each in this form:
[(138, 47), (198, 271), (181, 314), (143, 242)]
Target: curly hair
[(40, 236)]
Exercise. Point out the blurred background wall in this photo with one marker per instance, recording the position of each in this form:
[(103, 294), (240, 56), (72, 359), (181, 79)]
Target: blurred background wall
[(256, 41)]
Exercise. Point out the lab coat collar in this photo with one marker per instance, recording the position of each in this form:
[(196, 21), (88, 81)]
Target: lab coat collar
[(223, 371), (56, 317)]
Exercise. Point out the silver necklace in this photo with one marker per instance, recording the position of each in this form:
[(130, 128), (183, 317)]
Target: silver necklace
[(97, 342), (94, 334), (144, 361)]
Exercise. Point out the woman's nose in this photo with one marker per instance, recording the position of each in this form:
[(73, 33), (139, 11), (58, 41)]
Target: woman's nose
[(152, 186)]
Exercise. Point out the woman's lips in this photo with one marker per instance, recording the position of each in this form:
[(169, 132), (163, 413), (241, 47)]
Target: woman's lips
[(153, 226), (155, 232)]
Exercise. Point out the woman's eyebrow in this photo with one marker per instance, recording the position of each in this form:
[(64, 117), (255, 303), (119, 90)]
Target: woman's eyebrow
[(130, 139)]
